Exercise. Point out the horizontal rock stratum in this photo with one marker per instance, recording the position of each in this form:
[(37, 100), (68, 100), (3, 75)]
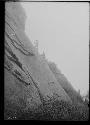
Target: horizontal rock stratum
[(28, 79)]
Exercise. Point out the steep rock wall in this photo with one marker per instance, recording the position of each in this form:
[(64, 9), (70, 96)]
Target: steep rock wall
[(62, 80), (28, 79)]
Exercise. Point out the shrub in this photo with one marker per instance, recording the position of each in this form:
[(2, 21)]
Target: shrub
[(57, 110)]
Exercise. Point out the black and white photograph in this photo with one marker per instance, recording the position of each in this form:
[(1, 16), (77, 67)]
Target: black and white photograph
[(46, 60)]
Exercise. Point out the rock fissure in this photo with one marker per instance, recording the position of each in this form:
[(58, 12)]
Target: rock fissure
[(25, 52)]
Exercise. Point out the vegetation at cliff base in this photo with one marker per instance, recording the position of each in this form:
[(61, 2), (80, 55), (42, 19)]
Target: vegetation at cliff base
[(55, 111)]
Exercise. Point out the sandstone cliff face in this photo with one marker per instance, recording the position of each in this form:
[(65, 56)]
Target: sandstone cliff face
[(28, 79)]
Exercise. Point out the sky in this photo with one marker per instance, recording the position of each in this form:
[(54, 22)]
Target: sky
[(62, 30)]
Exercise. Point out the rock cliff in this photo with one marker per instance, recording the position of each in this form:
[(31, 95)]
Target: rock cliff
[(72, 93), (28, 79)]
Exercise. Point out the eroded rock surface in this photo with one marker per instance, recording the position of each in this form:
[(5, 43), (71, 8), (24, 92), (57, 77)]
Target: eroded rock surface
[(62, 80), (28, 78)]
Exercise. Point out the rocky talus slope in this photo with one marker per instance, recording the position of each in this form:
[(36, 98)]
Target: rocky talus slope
[(28, 79)]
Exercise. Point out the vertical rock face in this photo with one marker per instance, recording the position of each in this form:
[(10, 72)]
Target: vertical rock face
[(65, 84), (28, 79)]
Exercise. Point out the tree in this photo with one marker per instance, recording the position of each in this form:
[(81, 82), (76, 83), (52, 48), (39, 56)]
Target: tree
[(43, 55), (36, 44), (79, 91)]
